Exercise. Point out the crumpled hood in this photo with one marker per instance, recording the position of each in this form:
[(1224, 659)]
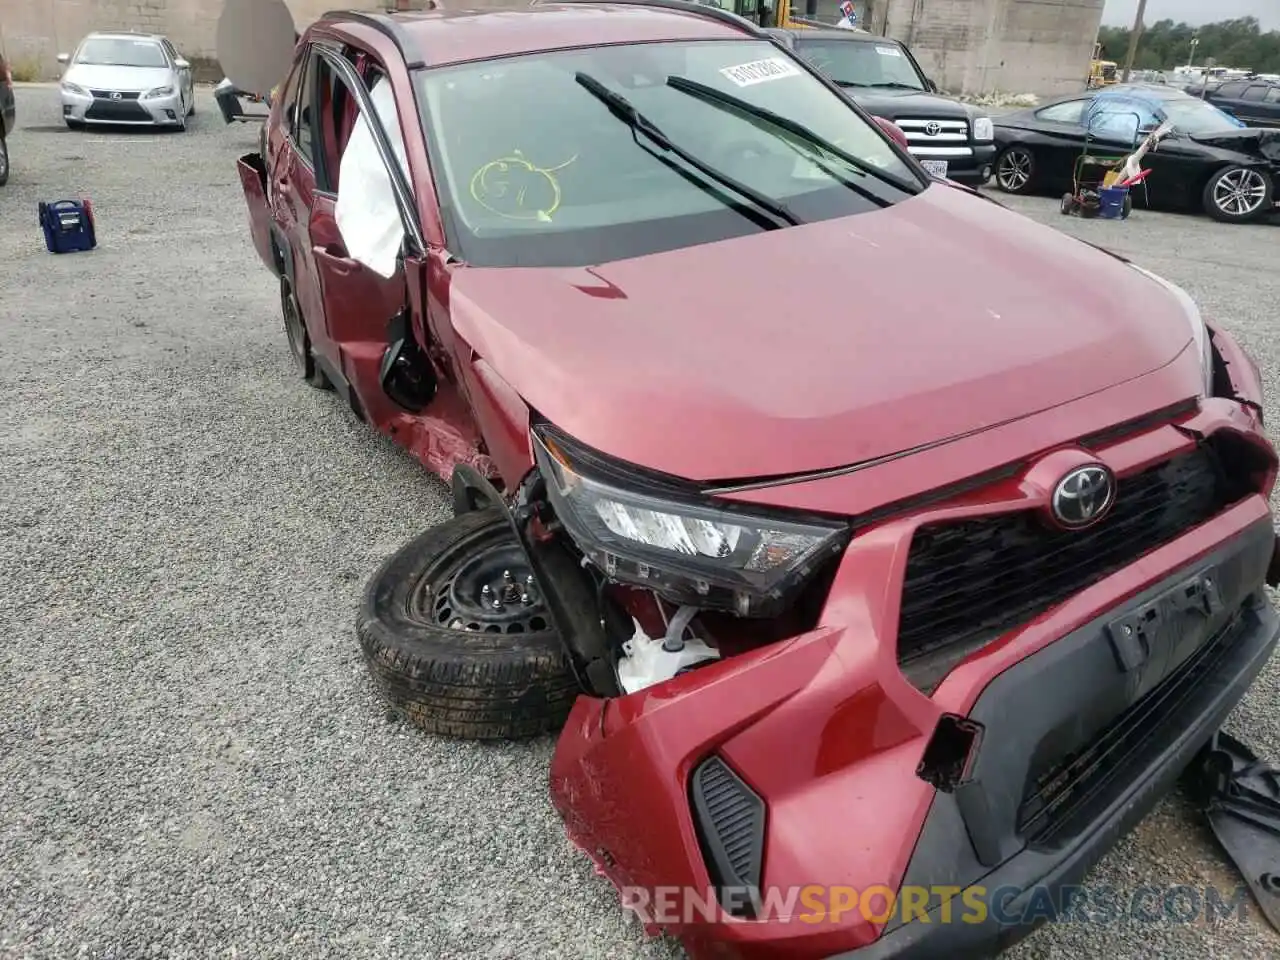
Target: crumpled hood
[(1259, 141), (822, 345), (104, 77)]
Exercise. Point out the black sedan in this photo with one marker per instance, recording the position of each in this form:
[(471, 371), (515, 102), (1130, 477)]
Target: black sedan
[(1208, 163)]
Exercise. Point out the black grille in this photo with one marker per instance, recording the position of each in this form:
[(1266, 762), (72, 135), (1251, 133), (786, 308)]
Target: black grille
[(108, 95), (967, 582), (1086, 781), (121, 111), (730, 820)]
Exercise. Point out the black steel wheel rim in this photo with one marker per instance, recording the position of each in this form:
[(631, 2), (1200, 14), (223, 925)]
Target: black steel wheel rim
[(484, 588)]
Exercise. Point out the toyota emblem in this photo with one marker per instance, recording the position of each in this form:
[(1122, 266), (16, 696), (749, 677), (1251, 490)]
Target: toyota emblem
[(115, 95), (1083, 496), (932, 128)]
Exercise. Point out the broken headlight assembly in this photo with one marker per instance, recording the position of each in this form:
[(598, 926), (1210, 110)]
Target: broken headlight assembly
[(662, 534)]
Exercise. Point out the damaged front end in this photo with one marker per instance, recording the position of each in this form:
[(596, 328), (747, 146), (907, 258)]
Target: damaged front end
[(780, 701)]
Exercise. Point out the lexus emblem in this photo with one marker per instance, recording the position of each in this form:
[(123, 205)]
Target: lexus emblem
[(115, 95), (932, 128), (1083, 496)]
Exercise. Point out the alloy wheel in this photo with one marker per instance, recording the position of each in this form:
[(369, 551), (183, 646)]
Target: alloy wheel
[(1014, 171), (1240, 192)]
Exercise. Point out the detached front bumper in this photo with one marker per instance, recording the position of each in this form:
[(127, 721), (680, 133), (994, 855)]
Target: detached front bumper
[(129, 110)]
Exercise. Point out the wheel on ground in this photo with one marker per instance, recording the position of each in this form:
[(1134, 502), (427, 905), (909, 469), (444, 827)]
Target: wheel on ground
[(1015, 169), (1068, 203), (4, 161), (295, 330), (457, 638), (1239, 194), (1126, 208), (75, 124)]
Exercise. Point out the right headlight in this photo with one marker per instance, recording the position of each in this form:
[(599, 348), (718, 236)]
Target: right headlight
[(649, 532), (74, 88)]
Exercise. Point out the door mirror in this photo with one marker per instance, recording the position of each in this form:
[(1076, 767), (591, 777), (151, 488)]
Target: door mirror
[(182, 64), (64, 58), (933, 87)]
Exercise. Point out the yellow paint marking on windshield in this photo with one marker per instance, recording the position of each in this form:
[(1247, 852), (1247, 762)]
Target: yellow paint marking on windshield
[(503, 186)]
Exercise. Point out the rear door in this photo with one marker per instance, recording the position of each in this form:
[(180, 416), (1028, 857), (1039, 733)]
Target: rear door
[(1254, 108)]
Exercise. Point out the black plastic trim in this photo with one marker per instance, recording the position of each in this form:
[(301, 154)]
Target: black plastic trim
[(944, 855), (471, 491), (718, 795)]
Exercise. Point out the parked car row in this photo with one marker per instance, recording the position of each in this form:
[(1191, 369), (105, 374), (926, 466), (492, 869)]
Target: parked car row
[(1210, 162)]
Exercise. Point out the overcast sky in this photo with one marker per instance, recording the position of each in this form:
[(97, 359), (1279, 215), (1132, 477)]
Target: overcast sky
[(1194, 11)]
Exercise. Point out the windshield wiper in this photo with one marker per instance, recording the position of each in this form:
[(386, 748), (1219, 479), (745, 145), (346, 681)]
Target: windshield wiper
[(894, 85), (733, 105), (624, 110)]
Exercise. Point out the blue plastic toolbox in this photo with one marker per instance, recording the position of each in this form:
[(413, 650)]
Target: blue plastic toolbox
[(68, 225)]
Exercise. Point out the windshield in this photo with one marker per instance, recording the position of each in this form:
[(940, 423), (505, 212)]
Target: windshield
[(121, 52), (856, 63), (534, 167), (1197, 118)]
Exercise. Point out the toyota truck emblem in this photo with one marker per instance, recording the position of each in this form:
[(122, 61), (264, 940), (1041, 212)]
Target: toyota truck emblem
[(1083, 496), (933, 128)]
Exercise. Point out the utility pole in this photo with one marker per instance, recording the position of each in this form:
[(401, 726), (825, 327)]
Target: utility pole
[(1133, 41), (1195, 42)]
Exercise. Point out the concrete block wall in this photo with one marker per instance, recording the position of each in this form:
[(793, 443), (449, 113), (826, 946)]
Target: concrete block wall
[(988, 46), (34, 32)]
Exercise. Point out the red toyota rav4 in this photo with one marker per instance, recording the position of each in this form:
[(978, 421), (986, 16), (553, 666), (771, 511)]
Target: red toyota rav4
[(861, 534)]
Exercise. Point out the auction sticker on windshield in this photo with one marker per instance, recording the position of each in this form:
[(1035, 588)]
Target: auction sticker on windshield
[(889, 51), (761, 71)]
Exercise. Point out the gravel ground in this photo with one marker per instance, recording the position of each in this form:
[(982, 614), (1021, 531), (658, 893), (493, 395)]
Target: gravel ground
[(192, 764)]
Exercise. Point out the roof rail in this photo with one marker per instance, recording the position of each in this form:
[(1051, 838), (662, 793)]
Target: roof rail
[(683, 6), (389, 28)]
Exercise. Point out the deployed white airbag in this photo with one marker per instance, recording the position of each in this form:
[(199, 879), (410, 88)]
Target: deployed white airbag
[(366, 211)]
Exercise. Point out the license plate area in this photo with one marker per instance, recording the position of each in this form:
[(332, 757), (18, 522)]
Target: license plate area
[(937, 168), (1150, 642)]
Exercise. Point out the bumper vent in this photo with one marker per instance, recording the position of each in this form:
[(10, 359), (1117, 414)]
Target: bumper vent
[(729, 817), (971, 581), (121, 111)]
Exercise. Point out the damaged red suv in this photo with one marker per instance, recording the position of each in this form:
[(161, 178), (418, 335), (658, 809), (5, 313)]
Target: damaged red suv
[(861, 535)]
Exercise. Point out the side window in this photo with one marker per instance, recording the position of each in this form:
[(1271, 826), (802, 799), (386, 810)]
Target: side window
[(169, 49), (304, 131), (1070, 112), (1256, 92), (1273, 95), (1230, 91)]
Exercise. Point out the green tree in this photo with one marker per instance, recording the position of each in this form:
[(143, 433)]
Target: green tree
[(1164, 45)]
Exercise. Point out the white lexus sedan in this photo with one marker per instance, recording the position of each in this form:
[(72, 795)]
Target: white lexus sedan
[(126, 78)]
